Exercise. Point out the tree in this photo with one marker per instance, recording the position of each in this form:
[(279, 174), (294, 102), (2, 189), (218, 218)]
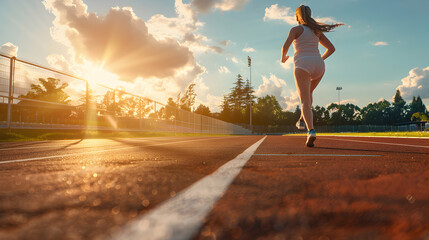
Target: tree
[(420, 106), (267, 111), (350, 113), (186, 101), (203, 110), (108, 103), (249, 99), (238, 94), (416, 106), (378, 113), (170, 109), (226, 110), (235, 104), (399, 108), (248, 90), (320, 115), (297, 113), (48, 90), (418, 116)]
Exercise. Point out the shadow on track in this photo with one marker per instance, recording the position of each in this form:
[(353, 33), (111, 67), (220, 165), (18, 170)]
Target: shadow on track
[(164, 147), (71, 144), (369, 150)]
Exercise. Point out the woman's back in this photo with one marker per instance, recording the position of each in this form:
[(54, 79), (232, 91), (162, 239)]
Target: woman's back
[(307, 44)]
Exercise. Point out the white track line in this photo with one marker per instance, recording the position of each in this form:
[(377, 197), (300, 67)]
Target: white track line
[(98, 151), (181, 217), (397, 144), (316, 155), (427, 138)]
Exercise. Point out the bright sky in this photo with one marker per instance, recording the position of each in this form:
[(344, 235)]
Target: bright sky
[(156, 48)]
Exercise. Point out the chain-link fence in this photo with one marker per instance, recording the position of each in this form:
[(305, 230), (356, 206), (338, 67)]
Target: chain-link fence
[(418, 126), (37, 97)]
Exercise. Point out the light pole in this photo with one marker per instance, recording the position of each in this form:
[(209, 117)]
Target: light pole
[(339, 99), (249, 61)]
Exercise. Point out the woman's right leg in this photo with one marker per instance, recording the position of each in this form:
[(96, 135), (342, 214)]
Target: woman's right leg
[(303, 85)]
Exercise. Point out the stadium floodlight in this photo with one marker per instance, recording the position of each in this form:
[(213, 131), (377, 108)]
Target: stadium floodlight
[(249, 64), (339, 99)]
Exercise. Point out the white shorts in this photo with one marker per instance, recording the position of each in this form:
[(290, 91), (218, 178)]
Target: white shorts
[(314, 65)]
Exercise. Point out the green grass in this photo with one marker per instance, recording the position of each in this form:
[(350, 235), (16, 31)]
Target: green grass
[(18, 135), (373, 134)]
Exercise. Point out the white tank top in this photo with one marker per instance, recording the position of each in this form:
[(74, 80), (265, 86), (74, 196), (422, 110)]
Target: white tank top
[(307, 44)]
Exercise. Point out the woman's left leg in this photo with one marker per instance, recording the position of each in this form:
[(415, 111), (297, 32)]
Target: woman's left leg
[(303, 85), (313, 85)]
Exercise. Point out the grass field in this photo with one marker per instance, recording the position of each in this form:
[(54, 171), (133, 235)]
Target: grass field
[(424, 134)]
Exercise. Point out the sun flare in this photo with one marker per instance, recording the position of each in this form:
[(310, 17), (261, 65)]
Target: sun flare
[(97, 75)]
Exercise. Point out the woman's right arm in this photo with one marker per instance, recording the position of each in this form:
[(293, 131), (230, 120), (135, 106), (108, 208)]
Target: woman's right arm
[(288, 42), (324, 41)]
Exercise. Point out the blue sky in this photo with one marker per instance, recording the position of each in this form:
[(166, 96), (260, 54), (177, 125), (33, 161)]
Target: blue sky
[(383, 45)]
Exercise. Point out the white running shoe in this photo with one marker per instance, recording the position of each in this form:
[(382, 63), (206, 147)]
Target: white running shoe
[(300, 124), (311, 137)]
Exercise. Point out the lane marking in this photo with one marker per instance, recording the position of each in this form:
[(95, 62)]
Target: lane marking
[(182, 216), (98, 151), (315, 155), (397, 144)]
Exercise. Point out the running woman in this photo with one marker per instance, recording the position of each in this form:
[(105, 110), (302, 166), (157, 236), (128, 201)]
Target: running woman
[(309, 65)]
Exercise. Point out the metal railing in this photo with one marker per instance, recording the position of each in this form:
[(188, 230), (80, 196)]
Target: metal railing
[(38, 97)]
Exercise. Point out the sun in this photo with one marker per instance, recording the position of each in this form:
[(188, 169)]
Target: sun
[(97, 75)]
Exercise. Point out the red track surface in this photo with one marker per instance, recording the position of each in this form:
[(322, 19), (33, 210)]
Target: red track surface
[(344, 188), (327, 197)]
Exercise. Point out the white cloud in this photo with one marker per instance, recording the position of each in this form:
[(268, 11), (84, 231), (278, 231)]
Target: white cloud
[(228, 5), (183, 28), (119, 41), (157, 64), (291, 101), (287, 15), (211, 101), (204, 97), (249, 49), (380, 43), (274, 12), (9, 49), (288, 64), (234, 59), (352, 100), (206, 6), (415, 84), (59, 62), (277, 87), (223, 69)]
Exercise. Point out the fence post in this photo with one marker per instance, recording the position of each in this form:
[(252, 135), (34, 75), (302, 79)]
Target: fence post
[(140, 114), (86, 124), (11, 87)]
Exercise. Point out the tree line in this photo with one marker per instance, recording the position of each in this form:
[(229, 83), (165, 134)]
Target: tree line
[(267, 111), (235, 107)]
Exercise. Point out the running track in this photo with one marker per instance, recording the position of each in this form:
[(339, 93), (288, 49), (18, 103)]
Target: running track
[(248, 187)]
